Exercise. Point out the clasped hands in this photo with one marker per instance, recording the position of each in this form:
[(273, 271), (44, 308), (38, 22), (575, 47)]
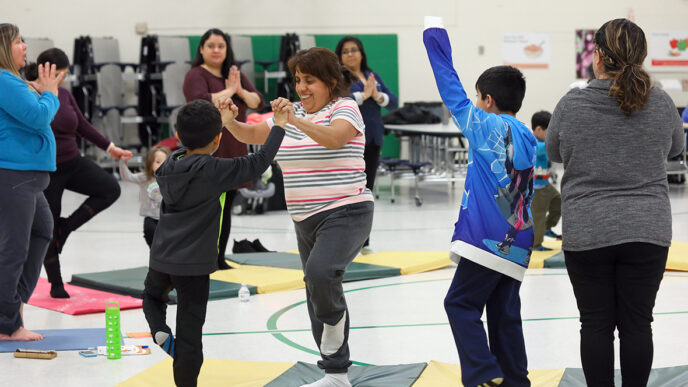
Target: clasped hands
[(282, 107)]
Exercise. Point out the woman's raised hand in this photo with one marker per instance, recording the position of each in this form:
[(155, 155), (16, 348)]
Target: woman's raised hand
[(228, 110), (284, 111), (48, 78)]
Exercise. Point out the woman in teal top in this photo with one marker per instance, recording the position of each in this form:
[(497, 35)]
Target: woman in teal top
[(27, 156)]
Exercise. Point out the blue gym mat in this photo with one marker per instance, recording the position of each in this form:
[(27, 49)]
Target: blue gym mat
[(60, 340)]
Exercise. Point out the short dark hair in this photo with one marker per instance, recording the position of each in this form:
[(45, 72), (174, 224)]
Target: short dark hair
[(323, 64), (505, 84), (229, 58), (198, 122), (541, 118), (53, 55), (357, 41)]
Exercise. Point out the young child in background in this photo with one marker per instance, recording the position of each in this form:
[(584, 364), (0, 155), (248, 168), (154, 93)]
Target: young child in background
[(495, 203), (185, 247), (546, 200), (149, 191)]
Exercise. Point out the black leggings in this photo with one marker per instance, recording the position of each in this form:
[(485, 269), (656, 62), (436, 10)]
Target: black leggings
[(615, 288), (371, 155), (82, 176), (226, 225)]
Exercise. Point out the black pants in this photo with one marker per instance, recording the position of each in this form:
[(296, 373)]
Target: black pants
[(149, 226), (615, 288), (371, 155), (25, 230), (192, 301), (83, 176), (226, 225)]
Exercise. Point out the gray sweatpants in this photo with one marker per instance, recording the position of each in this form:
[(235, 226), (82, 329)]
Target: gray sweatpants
[(26, 227), (328, 242)]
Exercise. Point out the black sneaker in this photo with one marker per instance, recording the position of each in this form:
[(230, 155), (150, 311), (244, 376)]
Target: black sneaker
[(243, 246), (257, 246)]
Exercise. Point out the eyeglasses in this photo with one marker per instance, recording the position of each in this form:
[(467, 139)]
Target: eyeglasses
[(352, 51)]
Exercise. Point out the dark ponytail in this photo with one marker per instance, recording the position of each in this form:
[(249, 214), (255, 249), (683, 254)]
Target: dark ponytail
[(31, 71), (53, 56), (622, 47)]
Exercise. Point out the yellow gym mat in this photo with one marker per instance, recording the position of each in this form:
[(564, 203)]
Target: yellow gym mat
[(537, 259), (409, 262), (213, 373), (678, 256), (265, 279), (444, 374)]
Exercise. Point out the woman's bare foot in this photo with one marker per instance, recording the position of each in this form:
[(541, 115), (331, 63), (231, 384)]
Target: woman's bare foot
[(22, 334)]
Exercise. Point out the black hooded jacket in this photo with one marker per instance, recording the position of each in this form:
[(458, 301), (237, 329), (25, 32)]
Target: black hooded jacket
[(193, 194)]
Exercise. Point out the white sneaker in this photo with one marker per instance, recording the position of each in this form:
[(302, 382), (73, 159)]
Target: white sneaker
[(331, 380)]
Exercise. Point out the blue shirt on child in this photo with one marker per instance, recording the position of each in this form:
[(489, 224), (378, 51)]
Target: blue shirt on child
[(498, 187)]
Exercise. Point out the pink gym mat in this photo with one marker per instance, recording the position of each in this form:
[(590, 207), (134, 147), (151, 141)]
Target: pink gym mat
[(82, 300)]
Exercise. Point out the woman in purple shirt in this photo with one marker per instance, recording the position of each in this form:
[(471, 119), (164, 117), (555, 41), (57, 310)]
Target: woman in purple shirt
[(74, 172), (214, 76)]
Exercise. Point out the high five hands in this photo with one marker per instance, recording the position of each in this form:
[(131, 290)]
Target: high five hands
[(228, 110), (284, 111)]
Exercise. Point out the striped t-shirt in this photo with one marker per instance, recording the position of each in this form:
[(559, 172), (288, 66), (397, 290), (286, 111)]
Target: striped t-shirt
[(316, 178)]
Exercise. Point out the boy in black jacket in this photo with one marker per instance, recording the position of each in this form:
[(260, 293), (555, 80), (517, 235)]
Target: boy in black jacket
[(185, 246)]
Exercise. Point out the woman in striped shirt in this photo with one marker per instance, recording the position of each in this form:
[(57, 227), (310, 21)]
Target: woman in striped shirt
[(325, 188)]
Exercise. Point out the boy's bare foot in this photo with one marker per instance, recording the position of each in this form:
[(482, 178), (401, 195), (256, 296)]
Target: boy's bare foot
[(22, 334)]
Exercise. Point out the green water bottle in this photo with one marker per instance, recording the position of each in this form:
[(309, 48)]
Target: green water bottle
[(113, 333)]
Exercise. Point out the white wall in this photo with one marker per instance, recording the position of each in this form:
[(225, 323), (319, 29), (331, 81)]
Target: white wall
[(471, 23)]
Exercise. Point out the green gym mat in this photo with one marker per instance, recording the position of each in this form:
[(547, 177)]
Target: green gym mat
[(130, 282), (556, 261), (356, 271), (403, 375), (669, 376)]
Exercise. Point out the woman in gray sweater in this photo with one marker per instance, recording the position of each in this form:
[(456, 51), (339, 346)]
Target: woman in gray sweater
[(614, 138)]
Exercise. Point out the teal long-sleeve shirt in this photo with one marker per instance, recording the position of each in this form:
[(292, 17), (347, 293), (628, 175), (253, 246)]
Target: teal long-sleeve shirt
[(27, 142)]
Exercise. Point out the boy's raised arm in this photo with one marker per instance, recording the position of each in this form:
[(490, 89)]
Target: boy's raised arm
[(231, 173), (466, 116)]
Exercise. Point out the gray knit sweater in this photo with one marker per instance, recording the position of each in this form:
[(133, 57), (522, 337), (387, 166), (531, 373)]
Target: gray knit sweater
[(614, 189)]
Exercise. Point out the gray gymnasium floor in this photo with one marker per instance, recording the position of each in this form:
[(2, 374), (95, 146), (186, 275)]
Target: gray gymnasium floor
[(394, 320)]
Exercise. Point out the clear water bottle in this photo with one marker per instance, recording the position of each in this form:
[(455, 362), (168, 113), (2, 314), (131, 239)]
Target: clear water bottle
[(244, 293)]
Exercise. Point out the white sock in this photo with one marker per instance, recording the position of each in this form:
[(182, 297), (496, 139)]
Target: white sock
[(331, 380), (332, 337), (160, 337)]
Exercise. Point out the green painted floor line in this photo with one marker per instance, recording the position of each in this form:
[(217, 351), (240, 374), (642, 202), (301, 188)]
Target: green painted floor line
[(418, 325), (272, 321)]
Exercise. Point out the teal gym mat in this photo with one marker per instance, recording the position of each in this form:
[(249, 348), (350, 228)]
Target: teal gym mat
[(355, 272), (556, 261), (668, 376), (403, 375), (130, 282)]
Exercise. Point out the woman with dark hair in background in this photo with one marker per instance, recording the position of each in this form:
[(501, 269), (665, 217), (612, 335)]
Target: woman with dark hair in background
[(28, 154), (371, 94), (614, 137), (74, 172), (324, 184), (214, 76)]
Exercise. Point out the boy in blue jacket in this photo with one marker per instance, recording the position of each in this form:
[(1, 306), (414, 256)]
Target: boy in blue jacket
[(493, 237)]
